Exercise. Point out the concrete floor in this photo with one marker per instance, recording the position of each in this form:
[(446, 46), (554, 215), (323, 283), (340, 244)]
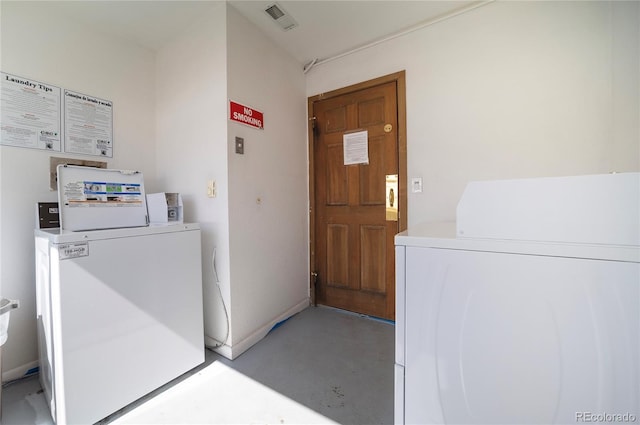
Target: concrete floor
[(321, 365)]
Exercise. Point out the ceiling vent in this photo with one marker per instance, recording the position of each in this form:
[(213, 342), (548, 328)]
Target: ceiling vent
[(281, 17)]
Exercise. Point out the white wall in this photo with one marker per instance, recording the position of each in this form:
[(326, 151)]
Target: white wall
[(269, 239), (224, 57), (509, 90), (39, 44), (192, 144)]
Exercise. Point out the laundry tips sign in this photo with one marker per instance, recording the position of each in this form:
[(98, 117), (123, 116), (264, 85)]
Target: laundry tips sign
[(245, 115)]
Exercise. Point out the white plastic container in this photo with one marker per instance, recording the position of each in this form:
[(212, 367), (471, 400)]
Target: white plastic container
[(5, 311)]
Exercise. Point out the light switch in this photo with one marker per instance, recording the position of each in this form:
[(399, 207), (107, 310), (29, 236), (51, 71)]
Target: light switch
[(416, 185), (211, 188), (240, 145)]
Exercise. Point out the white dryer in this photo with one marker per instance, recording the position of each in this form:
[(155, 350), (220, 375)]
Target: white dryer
[(527, 309)]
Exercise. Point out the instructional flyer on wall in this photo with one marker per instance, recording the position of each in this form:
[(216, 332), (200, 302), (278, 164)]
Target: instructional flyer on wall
[(30, 115), (88, 125)]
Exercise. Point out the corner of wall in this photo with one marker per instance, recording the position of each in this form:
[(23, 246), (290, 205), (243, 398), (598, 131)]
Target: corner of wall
[(268, 191)]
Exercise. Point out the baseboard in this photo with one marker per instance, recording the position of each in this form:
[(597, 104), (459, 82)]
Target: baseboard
[(20, 371), (233, 351), (224, 350)]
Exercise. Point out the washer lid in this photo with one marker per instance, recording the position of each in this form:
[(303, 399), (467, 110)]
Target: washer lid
[(96, 198), (442, 235)]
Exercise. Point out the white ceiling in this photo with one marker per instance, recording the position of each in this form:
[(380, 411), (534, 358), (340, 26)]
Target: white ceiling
[(328, 28), (325, 28)]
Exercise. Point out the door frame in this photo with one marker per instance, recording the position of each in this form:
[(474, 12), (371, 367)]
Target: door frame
[(399, 79)]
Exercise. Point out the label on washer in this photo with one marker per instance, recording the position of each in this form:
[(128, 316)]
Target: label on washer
[(102, 194), (73, 250)]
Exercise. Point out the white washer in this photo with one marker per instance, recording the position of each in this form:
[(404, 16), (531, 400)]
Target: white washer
[(119, 313), (119, 310), (514, 330)]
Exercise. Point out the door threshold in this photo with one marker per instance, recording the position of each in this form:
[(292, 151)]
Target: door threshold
[(353, 313)]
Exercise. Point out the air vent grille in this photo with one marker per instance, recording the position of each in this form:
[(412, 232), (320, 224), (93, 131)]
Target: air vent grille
[(281, 17), (275, 12)]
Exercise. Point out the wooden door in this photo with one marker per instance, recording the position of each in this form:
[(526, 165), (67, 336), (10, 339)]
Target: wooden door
[(353, 242)]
